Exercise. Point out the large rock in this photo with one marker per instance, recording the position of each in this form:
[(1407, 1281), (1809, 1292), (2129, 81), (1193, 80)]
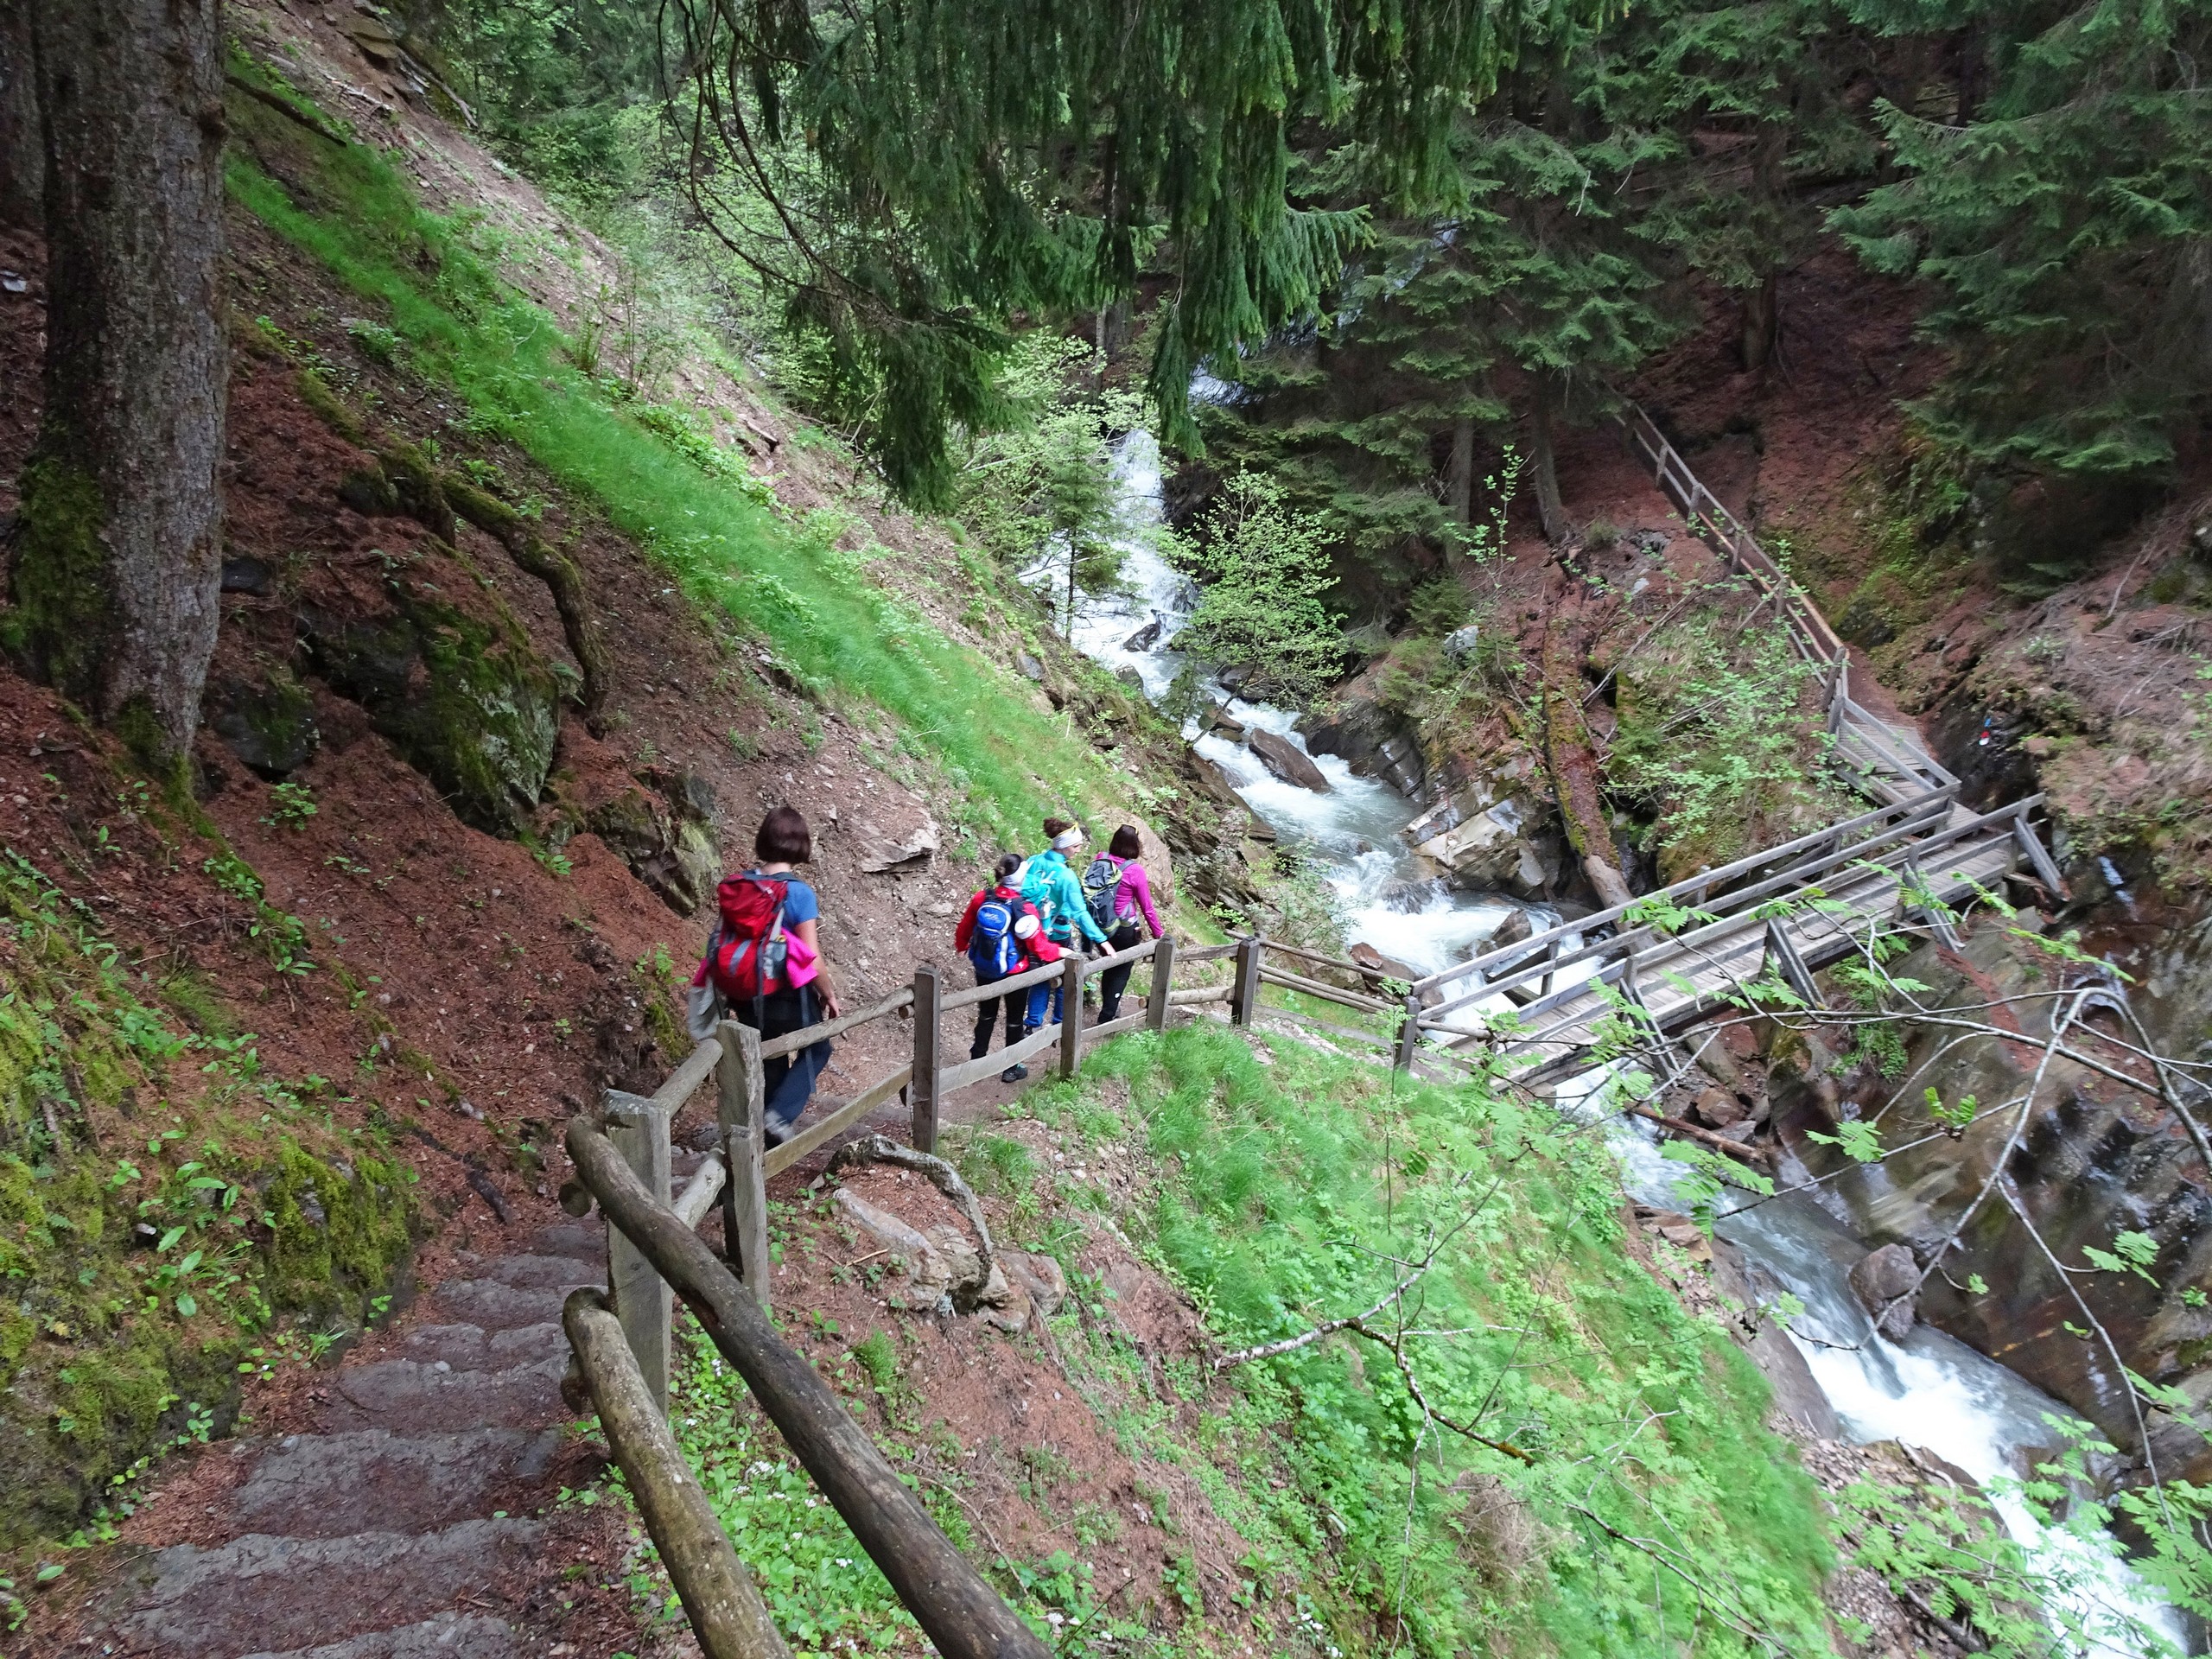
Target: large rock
[(1884, 1282), (446, 672), (1380, 967), (666, 838), (1492, 835), (1373, 741), (1286, 760)]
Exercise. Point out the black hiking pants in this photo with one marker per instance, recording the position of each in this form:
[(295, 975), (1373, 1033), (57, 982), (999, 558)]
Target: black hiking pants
[(1115, 980), (987, 1014)]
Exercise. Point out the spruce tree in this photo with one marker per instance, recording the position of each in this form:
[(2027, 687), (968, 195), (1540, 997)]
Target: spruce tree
[(934, 166), (2066, 229)]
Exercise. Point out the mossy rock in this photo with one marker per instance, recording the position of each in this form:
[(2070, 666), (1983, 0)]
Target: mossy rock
[(270, 727), (668, 847), (461, 692)]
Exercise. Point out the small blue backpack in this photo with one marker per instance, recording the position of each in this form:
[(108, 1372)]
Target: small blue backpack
[(991, 946)]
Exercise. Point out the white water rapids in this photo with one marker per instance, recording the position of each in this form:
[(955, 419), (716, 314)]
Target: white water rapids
[(1929, 1391)]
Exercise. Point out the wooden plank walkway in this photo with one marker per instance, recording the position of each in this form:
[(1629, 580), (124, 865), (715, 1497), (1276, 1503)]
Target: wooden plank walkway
[(1548, 1018)]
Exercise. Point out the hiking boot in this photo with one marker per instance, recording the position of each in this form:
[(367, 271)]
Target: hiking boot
[(775, 1132), (1013, 1074)]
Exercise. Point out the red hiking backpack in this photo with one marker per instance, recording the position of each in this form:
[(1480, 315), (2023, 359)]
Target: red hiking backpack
[(744, 960)]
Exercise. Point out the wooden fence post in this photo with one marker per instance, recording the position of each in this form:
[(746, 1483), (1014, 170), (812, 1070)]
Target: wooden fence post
[(1071, 1012), (929, 993), (1409, 1033), (1163, 972), (643, 1301), (1247, 996), (741, 1106)]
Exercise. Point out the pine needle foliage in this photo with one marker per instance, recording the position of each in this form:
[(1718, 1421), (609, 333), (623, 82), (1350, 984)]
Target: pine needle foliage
[(937, 165), (2067, 232)]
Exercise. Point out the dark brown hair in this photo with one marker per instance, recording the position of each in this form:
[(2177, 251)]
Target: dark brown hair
[(1055, 828), (1008, 863), (1127, 842), (783, 838)]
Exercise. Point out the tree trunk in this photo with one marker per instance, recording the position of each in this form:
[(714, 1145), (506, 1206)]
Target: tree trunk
[(119, 554), (1573, 762), (22, 150), (1760, 320), (1459, 483), (1550, 514)]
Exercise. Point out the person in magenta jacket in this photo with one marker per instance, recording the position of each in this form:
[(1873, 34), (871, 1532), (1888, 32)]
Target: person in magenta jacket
[(1132, 898)]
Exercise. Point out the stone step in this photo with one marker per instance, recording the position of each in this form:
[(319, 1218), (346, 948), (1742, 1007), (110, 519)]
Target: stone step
[(434, 1396), (260, 1594), (374, 1480), (496, 1307), (561, 1272), (449, 1635), (472, 1348), (584, 1240)]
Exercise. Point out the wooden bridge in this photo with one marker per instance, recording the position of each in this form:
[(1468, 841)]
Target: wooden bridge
[(1549, 1006)]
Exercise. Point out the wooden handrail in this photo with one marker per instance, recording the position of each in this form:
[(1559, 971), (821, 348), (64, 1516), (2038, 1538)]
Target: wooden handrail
[(1680, 889), (684, 1081), (1044, 975), (954, 1605), (726, 1611), (823, 1031), (1342, 964), (779, 1159), (1326, 993)]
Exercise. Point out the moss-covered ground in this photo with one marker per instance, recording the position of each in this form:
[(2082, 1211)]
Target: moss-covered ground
[(170, 1214)]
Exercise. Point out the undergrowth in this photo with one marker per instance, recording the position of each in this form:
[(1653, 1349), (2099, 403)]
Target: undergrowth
[(1609, 1488), (836, 635), (165, 1205)]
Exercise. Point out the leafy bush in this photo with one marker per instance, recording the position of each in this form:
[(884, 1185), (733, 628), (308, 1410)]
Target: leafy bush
[(1265, 568)]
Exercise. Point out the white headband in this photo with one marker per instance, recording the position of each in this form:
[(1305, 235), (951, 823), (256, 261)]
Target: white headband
[(1067, 840)]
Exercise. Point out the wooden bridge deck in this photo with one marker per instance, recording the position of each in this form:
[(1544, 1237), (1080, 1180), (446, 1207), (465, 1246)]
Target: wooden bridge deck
[(1547, 1033)]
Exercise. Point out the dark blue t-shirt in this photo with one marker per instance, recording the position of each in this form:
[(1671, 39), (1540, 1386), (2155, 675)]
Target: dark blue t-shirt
[(800, 904)]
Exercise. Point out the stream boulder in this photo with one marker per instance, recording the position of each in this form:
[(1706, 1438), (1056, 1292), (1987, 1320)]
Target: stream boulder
[(1494, 833), (1286, 760), (1885, 1281), (1373, 741)]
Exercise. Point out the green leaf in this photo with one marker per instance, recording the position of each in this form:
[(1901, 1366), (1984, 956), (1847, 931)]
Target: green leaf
[(170, 1238), (186, 1305)]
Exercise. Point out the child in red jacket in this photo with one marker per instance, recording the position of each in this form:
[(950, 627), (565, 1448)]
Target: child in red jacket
[(1003, 936)]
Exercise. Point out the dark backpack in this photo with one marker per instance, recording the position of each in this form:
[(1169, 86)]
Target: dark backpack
[(1101, 886), (991, 946), (744, 960)]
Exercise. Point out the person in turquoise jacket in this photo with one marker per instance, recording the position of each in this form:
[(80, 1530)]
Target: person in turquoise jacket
[(1049, 881)]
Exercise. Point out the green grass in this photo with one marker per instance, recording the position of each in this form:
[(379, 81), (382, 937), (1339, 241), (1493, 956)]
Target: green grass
[(713, 529), (1289, 1193)]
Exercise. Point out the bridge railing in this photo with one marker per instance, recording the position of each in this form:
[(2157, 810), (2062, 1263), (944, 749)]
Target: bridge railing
[(1810, 632)]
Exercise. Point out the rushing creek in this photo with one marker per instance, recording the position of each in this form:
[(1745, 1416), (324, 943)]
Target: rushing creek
[(1929, 1391)]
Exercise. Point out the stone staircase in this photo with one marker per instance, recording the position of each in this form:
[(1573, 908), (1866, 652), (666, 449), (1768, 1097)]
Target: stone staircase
[(398, 1527)]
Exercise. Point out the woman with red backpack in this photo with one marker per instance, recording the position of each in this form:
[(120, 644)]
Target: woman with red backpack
[(764, 967), (1003, 935)]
